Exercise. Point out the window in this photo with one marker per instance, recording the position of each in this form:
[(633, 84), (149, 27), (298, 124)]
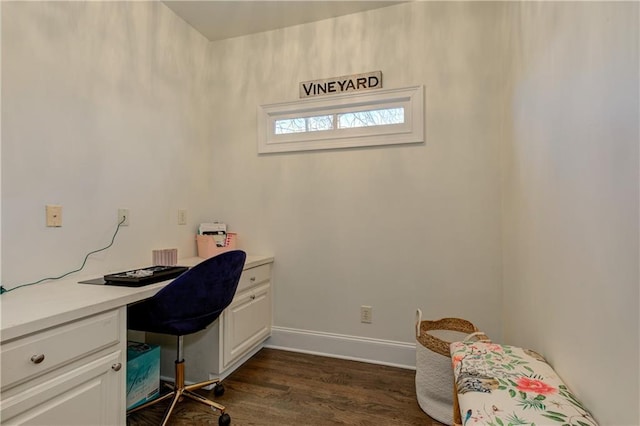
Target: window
[(381, 117)]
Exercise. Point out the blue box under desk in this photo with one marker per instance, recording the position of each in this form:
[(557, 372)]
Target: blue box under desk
[(143, 373)]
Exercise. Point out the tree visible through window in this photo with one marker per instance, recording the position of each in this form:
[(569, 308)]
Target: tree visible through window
[(376, 117), (347, 120), (304, 124)]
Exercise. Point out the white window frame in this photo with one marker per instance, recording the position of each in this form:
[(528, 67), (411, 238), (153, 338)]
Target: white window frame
[(411, 131)]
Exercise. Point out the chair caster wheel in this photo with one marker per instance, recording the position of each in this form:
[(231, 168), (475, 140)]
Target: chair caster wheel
[(224, 420), (218, 389)]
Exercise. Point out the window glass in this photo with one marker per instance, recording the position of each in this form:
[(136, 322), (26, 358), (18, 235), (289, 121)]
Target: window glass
[(321, 122), (303, 124), (290, 125), (376, 117)]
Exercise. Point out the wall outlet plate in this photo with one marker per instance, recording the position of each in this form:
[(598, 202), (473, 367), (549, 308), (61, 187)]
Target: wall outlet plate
[(366, 314), (182, 216)]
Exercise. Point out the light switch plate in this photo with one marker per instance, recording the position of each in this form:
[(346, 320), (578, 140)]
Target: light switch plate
[(54, 215)]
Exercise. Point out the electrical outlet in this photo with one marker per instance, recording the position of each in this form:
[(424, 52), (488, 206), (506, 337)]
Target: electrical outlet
[(182, 216), (366, 314), (123, 217), (54, 215)]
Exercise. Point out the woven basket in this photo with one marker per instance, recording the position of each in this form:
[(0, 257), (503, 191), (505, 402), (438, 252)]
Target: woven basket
[(434, 374)]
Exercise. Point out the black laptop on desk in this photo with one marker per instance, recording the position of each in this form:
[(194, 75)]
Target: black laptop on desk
[(139, 277)]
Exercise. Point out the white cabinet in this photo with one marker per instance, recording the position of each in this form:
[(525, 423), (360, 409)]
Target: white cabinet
[(246, 322), (71, 374), (240, 329)]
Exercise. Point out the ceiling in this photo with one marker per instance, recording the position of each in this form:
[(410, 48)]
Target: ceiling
[(220, 19)]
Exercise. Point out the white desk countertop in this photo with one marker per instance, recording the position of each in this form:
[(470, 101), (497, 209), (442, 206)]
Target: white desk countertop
[(37, 307)]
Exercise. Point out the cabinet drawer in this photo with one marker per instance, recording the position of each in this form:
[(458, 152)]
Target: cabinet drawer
[(247, 322), (36, 354), (90, 394), (253, 276)]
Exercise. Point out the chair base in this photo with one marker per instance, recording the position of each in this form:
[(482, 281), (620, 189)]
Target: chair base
[(179, 390)]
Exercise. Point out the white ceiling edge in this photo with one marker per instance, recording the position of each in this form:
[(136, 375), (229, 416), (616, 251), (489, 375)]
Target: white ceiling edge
[(222, 19)]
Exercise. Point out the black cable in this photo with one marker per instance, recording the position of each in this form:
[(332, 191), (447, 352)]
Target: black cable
[(3, 290)]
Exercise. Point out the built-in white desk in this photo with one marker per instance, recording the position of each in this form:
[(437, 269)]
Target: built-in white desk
[(63, 344)]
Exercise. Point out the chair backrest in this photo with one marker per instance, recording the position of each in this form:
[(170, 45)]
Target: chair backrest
[(193, 300)]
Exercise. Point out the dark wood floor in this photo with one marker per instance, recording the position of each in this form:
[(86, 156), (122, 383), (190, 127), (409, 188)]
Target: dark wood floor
[(287, 388)]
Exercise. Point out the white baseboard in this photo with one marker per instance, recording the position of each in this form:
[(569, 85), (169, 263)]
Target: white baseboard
[(374, 351)]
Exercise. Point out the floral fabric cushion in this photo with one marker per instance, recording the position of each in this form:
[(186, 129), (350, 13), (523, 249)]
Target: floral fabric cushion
[(506, 385)]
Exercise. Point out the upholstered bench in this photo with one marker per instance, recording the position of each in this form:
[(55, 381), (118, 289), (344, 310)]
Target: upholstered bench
[(506, 385)]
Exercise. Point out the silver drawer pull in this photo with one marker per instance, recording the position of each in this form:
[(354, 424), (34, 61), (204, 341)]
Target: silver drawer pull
[(37, 359), (252, 279), (116, 367)]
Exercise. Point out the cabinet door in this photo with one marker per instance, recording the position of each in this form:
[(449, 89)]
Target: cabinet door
[(246, 322), (92, 394)]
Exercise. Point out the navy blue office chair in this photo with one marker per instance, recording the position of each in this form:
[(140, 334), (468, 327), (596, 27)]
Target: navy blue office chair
[(189, 304)]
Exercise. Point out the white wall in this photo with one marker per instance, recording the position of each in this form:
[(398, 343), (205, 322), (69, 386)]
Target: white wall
[(547, 91), (397, 228), (571, 198), (103, 106)]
